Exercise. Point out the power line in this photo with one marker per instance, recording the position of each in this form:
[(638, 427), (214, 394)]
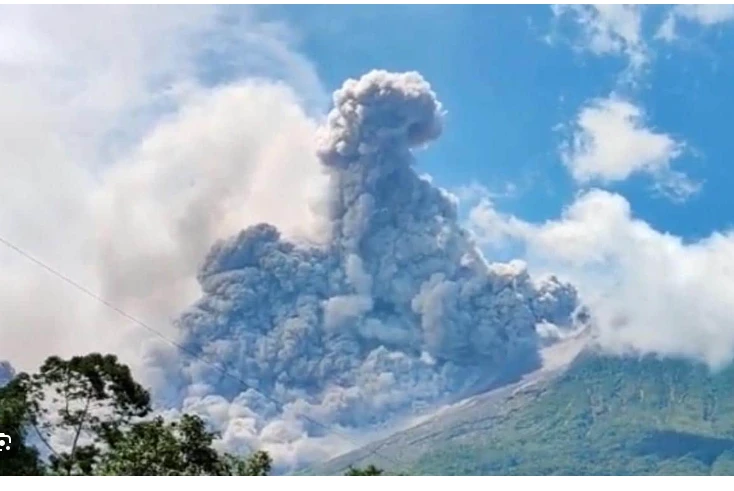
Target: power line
[(219, 367)]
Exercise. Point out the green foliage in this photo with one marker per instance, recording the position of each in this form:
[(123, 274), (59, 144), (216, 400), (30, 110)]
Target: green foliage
[(91, 398), (95, 401), (257, 464), (606, 416), (20, 460), (180, 448), (370, 470)]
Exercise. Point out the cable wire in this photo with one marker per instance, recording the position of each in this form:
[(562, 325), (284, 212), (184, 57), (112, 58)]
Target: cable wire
[(217, 366)]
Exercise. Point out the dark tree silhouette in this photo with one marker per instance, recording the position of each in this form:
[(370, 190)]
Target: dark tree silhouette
[(370, 470), (95, 402)]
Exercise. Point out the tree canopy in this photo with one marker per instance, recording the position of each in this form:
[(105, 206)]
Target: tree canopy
[(102, 417), (101, 414), (370, 470)]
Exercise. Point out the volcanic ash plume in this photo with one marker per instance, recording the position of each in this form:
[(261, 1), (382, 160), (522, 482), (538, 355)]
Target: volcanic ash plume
[(396, 312)]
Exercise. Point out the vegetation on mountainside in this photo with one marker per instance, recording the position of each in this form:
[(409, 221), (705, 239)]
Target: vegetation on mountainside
[(604, 416), (370, 470)]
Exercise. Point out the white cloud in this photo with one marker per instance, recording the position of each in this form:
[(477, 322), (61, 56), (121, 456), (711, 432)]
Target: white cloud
[(676, 186), (649, 291), (492, 227), (610, 142), (704, 15), (116, 152), (609, 30), (666, 31), (475, 191), (224, 161)]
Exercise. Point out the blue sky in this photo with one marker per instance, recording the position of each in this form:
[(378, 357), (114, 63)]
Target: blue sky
[(506, 88)]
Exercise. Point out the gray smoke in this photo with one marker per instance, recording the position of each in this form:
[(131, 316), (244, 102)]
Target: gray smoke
[(396, 312)]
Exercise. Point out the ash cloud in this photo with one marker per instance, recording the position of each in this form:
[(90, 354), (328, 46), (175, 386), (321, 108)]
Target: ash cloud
[(395, 312)]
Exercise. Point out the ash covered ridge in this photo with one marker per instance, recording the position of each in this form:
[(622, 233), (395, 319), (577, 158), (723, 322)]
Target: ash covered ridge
[(395, 312)]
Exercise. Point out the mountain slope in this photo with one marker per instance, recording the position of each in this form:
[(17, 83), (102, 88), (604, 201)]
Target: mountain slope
[(604, 415)]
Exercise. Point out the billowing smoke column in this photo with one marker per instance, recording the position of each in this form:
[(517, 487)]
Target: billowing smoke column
[(396, 312)]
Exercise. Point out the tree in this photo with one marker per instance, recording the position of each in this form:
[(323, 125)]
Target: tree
[(94, 402), (370, 470), (20, 459), (257, 464), (91, 400), (179, 448)]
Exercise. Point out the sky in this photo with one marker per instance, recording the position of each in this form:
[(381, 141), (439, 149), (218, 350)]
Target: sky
[(589, 142), (549, 107), (510, 75)]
